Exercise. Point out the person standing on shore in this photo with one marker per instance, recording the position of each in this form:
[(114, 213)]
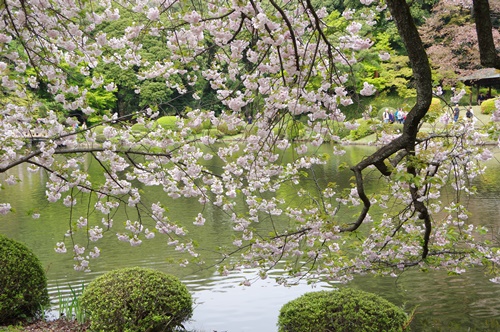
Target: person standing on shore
[(385, 116), (469, 114), (456, 113)]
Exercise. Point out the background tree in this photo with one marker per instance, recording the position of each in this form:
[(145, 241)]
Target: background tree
[(450, 38)]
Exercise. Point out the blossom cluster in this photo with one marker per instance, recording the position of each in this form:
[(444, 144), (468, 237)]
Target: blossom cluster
[(277, 65)]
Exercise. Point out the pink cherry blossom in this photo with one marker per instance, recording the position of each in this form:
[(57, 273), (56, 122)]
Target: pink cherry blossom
[(283, 80), (368, 89)]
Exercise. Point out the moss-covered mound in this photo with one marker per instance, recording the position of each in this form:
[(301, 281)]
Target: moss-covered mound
[(136, 299), (23, 284), (488, 106), (343, 310)]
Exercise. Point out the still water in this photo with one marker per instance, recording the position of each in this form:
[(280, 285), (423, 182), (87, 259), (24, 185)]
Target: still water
[(468, 302)]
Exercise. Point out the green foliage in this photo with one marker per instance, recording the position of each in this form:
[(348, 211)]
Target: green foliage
[(70, 307), (94, 120), (99, 99), (488, 106), (223, 128), (366, 128), (335, 23), (391, 101), (397, 75), (342, 131), (99, 131), (136, 299), (139, 128), (289, 127), (127, 100), (420, 10), (337, 129), (435, 110), (168, 122), (343, 310), (356, 109), (23, 284), (153, 93), (204, 126), (12, 328), (294, 130), (213, 132)]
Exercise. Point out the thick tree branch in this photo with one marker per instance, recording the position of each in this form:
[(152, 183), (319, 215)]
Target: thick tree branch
[(79, 150), (423, 83)]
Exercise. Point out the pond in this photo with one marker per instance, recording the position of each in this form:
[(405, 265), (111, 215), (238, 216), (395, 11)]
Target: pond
[(468, 302)]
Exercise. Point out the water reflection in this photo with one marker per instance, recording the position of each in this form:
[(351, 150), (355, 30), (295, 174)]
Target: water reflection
[(468, 302), (224, 305), (443, 303)]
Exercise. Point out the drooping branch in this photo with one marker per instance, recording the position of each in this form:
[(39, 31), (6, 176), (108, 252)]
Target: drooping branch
[(291, 31)]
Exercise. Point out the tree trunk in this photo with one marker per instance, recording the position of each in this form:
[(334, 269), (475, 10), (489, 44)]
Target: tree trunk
[(482, 16), (405, 143)]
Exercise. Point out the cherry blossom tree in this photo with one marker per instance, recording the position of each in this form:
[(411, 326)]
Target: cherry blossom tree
[(275, 61)]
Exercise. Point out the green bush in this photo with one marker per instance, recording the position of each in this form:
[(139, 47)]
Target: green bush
[(289, 127), (294, 130), (212, 132), (168, 122), (204, 126), (223, 128), (139, 128), (99, 130), (366, 128), (435, 110), (93, 120), (343, 310), (136, 299), (335, 128), (342, 131), (488, 106), (23, 284)]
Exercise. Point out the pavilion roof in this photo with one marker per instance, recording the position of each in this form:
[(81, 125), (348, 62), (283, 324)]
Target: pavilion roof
[(483, 77)]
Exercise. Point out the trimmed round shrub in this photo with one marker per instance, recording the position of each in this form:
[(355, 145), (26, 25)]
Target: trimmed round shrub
[(212, 132), (343, 310), (23, 284), (168, 122), (136, 299), (206, 125), (99, 130), (435, 110), (139, 128), (224, 128), (488, 106)]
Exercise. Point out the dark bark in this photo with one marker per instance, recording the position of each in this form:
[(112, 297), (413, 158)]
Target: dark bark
[(488, 54), (404, 144)]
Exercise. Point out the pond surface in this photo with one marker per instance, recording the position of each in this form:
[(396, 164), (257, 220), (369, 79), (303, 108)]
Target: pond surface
[(467, 302)]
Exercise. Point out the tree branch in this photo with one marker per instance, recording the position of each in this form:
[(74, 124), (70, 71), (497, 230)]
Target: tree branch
[(423, 82)]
